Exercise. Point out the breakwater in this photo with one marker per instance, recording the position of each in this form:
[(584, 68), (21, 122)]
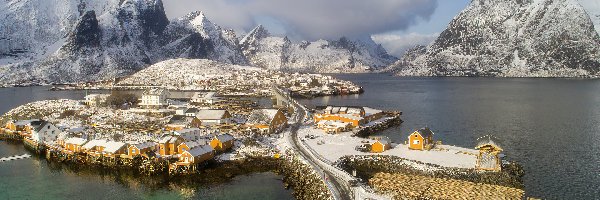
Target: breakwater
[(367, 166), (394, 120)]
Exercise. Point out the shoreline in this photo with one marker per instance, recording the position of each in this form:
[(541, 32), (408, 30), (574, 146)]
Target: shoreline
[(295, 174)]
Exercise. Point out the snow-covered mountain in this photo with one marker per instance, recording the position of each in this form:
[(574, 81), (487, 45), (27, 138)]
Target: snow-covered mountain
[(195, 36), (512, 38), (343, 55), (74, 41)]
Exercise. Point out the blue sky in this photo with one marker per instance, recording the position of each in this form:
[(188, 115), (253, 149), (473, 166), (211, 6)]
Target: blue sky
[(396, 24)]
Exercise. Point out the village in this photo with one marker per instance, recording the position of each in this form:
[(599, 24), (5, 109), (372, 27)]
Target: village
[(179, 136), (228, 80)]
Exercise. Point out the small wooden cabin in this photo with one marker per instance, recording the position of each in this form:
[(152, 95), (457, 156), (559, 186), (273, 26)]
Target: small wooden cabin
[(488, 158), (74, 144), (421, 139), (222, 142), (168, 145), (196, 155), (141, 149), (381, 145)]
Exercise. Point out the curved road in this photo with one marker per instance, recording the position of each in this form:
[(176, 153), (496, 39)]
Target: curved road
[(338, 190)]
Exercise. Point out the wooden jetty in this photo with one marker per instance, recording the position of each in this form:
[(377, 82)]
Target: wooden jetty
[(17, 157)]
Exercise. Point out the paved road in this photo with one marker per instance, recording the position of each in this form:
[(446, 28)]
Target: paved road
[(338, 190)]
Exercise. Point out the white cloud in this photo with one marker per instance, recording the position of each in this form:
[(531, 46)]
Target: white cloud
[(397, 44), (312, 19)]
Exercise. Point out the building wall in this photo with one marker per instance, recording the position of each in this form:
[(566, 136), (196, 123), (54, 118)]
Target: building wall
[(416, 137)]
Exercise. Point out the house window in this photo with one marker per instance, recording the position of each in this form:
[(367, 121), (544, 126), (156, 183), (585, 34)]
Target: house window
[(133, 151), (416, 141)]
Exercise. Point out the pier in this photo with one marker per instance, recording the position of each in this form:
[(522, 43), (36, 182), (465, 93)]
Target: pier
[(17, 157)]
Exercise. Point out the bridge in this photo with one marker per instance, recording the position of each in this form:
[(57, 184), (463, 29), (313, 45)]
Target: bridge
[(17, 157)]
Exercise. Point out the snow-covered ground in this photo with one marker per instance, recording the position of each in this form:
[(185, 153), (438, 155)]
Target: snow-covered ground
[(333, 147)]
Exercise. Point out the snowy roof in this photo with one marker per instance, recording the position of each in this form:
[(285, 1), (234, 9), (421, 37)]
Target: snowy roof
[(188, 130), (211, 114), (224, 137), (26, 122), (76, 141), (350, 116), (485, 141), (113, 147), (165, 139), (200, 150), (262, 116), (154, 91), (425, 132), (371, 111), (144, 145), (94, 143), (333, 123)]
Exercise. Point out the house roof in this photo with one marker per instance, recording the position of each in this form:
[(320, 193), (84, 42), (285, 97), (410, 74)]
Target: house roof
[(262, 116), (224, 137), (26, 122), (113, 147), (165, 139), (425, 132), (144, 145), (487, 141), (94, 143), (371, 111), (350, 116), (200, 150), (154, 91), (191, 110), (210, 114), (76, 141)]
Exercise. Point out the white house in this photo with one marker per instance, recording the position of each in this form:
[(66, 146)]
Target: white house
[(154, 98), (96, 99), (45, 132), (205, 98), (212, 117)]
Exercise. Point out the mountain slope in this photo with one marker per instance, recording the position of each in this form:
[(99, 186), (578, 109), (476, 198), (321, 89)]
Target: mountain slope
[(279, 53), (122, 37), (526, 38)]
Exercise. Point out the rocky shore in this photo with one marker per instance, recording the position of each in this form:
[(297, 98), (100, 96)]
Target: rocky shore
[(367, 166), (394, 119)]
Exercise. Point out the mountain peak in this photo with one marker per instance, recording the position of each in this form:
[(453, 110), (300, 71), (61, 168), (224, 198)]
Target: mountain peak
[(259, 32)]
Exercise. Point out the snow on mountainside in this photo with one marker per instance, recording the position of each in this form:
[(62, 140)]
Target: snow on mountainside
[(279, 53), (101, 39), (592, 7), (194, 36), (511, 38), (184, 73), (30, 28)]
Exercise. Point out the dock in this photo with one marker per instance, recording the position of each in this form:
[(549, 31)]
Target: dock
[(17, 157)]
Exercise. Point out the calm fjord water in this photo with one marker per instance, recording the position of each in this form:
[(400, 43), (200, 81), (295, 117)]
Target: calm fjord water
[(36, 179), (550, 126)]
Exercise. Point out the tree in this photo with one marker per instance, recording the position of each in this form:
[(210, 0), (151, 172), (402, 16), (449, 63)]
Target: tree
[(118, 99)]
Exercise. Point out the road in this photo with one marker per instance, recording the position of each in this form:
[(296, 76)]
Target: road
[(338, 190)]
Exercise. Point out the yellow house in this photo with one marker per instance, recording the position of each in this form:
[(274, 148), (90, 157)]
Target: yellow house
[(168, 145), (141, 149), (10, 126), (421, 139), (187, 145), (222, 142), (196, 155), (381, 145), (268, 121), (74, 144)]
